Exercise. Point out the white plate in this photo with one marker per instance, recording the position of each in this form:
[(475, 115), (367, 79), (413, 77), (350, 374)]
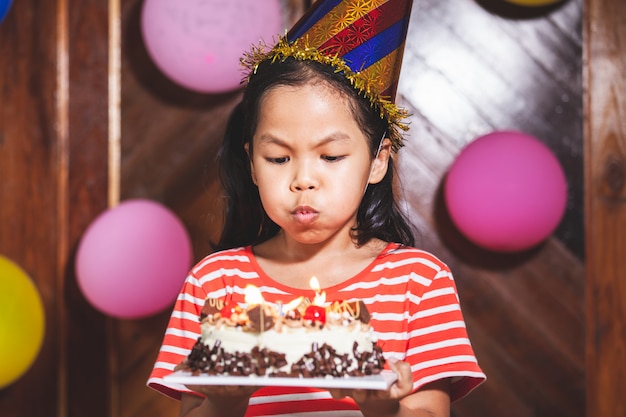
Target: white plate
[(381, 381)]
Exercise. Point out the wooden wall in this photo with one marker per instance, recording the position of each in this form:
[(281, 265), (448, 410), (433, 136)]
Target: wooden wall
[(526, 312), (605, 206), (53, 182)]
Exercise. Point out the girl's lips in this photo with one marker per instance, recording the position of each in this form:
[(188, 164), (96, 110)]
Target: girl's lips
[(305, 215)]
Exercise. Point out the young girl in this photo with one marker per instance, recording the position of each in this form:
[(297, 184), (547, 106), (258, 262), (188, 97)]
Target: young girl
[(308, 174)]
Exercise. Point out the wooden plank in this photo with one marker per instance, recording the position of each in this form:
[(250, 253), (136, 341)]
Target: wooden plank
[(88, 380), (605, 205), (469, 70), (28, 185), (165, 125), (53, 183)]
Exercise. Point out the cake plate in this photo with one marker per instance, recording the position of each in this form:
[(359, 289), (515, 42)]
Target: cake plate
[(381, 381)]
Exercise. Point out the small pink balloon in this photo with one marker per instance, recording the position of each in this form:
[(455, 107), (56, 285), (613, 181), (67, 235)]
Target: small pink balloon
[(506, 191), (198, 43), (133, 259)]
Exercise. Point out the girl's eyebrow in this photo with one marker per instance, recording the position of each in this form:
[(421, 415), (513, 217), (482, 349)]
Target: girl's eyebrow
[(267, 138), (337, 137)]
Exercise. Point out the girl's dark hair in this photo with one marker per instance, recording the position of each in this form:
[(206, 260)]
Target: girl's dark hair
[(246, 222)]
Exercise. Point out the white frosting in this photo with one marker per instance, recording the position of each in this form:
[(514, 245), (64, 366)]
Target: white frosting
[(294, 342)]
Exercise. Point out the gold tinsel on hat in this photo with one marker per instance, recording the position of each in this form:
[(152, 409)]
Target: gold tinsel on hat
[(301, 50)]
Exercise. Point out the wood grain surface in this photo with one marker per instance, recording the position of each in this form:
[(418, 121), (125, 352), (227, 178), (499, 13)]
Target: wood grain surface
[(605, 180), (547, 324)]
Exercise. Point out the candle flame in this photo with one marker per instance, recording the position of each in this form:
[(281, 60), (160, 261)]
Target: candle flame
[(314, 284), (293, 304), (253, 295), (320, 296)]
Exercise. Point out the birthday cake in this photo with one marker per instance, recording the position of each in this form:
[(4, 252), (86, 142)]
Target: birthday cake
[(300, 339)]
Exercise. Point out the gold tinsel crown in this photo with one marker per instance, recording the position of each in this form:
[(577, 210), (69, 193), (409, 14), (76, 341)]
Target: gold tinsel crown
[(301, 50)]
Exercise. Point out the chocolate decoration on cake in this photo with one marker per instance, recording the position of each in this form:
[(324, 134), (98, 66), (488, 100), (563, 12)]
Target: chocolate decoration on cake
[(357, 310), (302, 338), (254, 320), (321, 361), (211, 307), (363, 312)]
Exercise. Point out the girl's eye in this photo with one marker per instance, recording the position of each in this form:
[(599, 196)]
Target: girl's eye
[(278, 161), (330, 158)]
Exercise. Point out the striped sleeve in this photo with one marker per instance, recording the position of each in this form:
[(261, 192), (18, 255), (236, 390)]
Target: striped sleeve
[(208, 278), (181, 334), (417, 318), (438, 345)]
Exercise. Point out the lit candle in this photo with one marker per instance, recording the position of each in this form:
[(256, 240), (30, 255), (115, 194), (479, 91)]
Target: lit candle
[(314, 283), (316, 312), (253, 296), (291, 306), (320, 296)]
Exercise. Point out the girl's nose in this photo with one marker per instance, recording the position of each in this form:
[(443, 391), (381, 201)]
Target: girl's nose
[(304, 178)]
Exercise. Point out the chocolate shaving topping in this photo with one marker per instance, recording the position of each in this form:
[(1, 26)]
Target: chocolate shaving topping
[(321, 361)]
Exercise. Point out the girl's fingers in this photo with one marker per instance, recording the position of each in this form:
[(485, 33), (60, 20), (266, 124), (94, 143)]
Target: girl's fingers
[(404, 383)]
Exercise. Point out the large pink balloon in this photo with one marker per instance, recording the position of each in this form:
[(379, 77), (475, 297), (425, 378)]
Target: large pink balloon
[(506, 191), (198, 43), (133, 258)]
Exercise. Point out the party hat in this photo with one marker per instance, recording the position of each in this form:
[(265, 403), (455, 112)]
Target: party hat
[(362, 39)]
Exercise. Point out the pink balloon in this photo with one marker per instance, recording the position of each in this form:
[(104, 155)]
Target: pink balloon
[(198, 43), (133, 259), (506, 191)]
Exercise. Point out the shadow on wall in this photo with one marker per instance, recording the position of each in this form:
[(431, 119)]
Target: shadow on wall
[(516, 11), (466, 250), (150, 76)]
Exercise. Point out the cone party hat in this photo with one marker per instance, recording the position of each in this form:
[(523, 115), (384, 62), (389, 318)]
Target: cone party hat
[(362, 39)]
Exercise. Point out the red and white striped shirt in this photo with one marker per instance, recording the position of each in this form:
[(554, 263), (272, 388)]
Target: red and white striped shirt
[(415, 314)]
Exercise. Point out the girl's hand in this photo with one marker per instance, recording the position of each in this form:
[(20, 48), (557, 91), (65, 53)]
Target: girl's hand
[(432, 399)]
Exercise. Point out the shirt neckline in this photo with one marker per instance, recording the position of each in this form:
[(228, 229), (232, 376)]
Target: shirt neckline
[(360, 276)]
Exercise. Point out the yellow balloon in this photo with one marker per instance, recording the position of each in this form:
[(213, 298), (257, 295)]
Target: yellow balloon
[(534, 3), (22, 322)]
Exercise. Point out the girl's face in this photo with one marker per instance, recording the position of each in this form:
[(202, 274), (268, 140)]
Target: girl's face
[(311, 162)]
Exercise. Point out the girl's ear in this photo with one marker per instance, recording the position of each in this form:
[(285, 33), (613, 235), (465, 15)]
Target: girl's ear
[(381, 162), (246, 146)]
